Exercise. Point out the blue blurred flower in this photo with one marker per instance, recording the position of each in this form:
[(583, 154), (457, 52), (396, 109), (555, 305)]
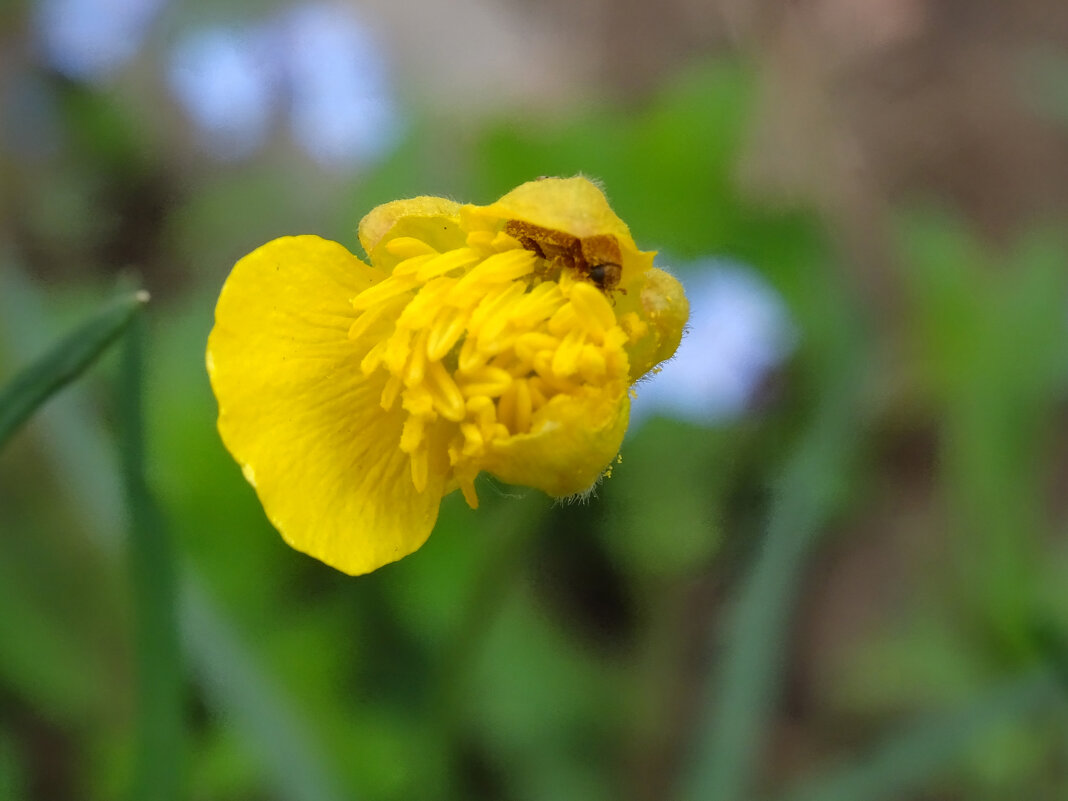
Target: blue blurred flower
[(89, 39), (739, 331), (342, 109), (317, 61), (226, 82)]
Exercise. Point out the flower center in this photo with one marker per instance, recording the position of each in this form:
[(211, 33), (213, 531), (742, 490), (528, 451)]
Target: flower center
[(478, 341)]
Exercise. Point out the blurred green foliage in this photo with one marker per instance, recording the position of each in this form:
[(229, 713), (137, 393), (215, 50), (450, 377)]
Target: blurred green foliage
[(636, 646)]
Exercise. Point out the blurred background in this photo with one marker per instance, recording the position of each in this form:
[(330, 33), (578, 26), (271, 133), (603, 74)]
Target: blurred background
[(832, 563)]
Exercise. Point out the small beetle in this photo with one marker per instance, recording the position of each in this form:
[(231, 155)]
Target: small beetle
[(595, 257)]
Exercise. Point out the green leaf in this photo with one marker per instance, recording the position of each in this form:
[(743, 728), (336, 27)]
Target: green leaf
[(279, 736), (160, 737), (741, 691), (64, 362), (286, 745), (899, 766)]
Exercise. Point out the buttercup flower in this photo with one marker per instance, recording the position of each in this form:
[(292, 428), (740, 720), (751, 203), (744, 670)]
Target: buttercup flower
[(502, 338)]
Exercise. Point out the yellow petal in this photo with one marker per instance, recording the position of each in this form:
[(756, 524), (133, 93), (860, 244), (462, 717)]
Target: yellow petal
[(432, 220), (660, 303), (576, 206), (572, 441), (380, 219), (299, 416)]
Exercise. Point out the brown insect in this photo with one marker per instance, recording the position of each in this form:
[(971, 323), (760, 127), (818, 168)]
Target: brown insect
[(596, 257)]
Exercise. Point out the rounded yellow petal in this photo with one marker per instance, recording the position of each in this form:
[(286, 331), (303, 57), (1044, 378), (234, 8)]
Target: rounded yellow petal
[(572, 441), (575, 205), (299, 416), (432, 220), (654, 313), (377, 222)]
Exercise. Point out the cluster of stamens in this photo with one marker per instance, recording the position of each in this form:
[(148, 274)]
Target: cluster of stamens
[(477, 340)]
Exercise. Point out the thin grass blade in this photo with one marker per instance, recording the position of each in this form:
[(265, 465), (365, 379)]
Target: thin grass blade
[(741, 691), (238, 686), (64, 362), (903, 763), (160, 736)]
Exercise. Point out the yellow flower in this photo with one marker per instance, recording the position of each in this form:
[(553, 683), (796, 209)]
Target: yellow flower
[(501, 338)]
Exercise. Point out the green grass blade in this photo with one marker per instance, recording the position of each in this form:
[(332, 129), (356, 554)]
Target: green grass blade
[(277, 734), (159, 738), (899, 767), (64, 362), (239, 688), (12, 781), (739, 696)]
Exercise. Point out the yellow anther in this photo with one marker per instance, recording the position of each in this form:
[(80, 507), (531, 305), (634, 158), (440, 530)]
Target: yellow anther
[(566, 358), (592, 306), (487, 380), (492, 330), (445, 332), (538, 392), (409, 268), (447, 262), (498, 298), (537, 305), (418, 401), (471, 358), (511, 361), (383, 314), (406, 247), (416, 367), (523, 406), (373, 359), (467, 487), (563, 321), (484, 413), (528, 345), (506, 407), (398, 347), (390, 392), (420, 468), (543, 363), (592, 365), (478, 404), (473, 442), (386, 290), (480, 239), (500, 346), (448, 401), (412, 433), (497, 269), (426, 303)]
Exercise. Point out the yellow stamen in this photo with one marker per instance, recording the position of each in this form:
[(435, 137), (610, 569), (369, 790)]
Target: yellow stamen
[(446, 263), (592, 306), (445, 332), (467, 487), (420, 469), (412, 434), (520, 340), (490, 381), (523, 407), (406, 247), (390, 392), (385, 290), (448, 401)]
